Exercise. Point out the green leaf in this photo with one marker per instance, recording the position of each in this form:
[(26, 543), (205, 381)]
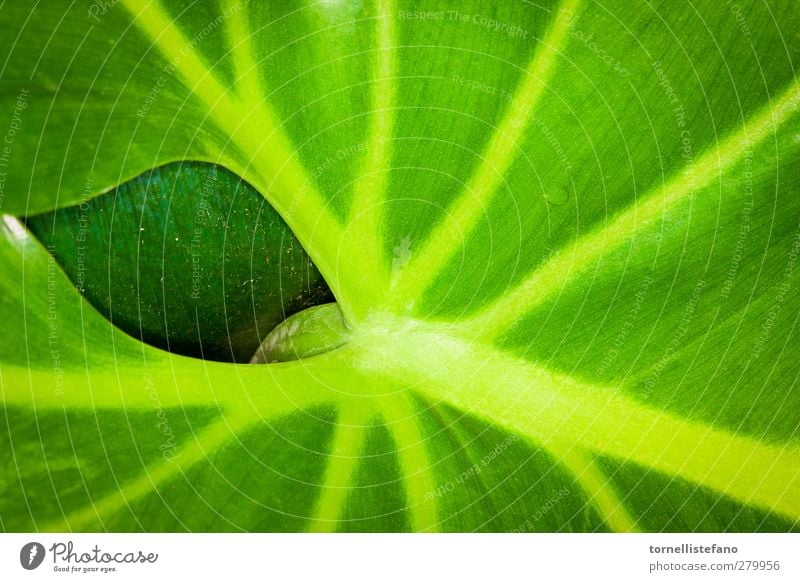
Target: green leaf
[(563, 238), (228, 268)]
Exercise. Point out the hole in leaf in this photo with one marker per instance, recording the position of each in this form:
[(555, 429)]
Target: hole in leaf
[(187, 257)]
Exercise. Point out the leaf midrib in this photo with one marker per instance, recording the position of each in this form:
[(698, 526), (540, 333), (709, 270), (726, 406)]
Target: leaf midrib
[(560, 412)]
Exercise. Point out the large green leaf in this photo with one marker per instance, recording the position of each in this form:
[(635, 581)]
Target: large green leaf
[(564, 238)]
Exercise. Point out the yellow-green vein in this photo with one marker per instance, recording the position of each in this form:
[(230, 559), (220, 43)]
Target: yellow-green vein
[(364, 222), (247, 84), (500, 152), (343, 461), (402, 418), (104, 387), (595, 484), (175, 381), (567, 264), (97, 513)]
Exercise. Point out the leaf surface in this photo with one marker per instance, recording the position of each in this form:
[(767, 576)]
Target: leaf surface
[(564, 238)]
